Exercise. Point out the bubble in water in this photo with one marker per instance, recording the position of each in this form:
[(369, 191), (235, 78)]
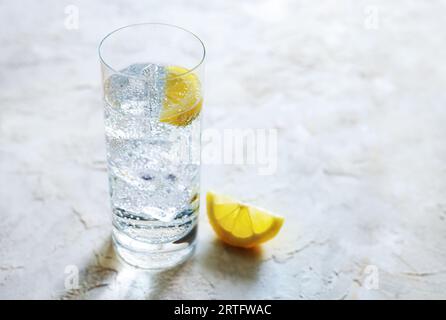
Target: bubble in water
[(149, 179)]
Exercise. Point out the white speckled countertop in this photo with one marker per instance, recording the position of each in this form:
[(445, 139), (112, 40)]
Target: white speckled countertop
[(356, 90)]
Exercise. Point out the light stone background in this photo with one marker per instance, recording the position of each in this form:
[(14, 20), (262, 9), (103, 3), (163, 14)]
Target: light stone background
[(356, 90)]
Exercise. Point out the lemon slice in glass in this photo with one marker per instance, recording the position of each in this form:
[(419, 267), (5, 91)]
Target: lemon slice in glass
[(239, 224), (183, 100)]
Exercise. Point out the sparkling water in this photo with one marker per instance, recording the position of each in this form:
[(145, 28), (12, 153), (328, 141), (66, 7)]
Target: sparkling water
[(153, 166)]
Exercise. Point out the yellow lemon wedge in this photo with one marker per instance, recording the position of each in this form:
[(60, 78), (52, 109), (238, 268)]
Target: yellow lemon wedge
[(239, 224), (183, 100)]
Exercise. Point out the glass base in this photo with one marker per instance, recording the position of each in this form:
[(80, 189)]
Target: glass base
[(148, 256)]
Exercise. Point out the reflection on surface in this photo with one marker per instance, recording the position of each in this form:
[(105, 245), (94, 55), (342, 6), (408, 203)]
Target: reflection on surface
[(106, 277)]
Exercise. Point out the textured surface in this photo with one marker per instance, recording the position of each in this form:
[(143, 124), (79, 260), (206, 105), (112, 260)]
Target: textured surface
[(355, 90)]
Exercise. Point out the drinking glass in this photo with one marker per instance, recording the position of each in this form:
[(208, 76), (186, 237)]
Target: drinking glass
[(152, 77)]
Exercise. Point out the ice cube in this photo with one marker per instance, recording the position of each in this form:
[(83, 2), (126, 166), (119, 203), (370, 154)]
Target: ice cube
[(127, 91)]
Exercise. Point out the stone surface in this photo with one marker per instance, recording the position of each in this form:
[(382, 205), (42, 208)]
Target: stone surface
[(355, 90)]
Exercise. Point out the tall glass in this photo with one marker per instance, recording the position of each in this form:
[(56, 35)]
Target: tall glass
[(152, 76)]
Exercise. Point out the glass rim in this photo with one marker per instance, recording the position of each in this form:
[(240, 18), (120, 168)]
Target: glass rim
[(150, 24)]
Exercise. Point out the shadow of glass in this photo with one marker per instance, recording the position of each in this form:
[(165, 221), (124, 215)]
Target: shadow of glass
[(161, 280), (105, 276), (232, 263)]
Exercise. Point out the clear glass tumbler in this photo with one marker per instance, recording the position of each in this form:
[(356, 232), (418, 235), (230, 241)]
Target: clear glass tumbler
[(152, 76)]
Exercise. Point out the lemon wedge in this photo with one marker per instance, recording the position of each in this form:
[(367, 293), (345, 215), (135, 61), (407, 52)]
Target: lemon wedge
[(183, 100), (239, 224)]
